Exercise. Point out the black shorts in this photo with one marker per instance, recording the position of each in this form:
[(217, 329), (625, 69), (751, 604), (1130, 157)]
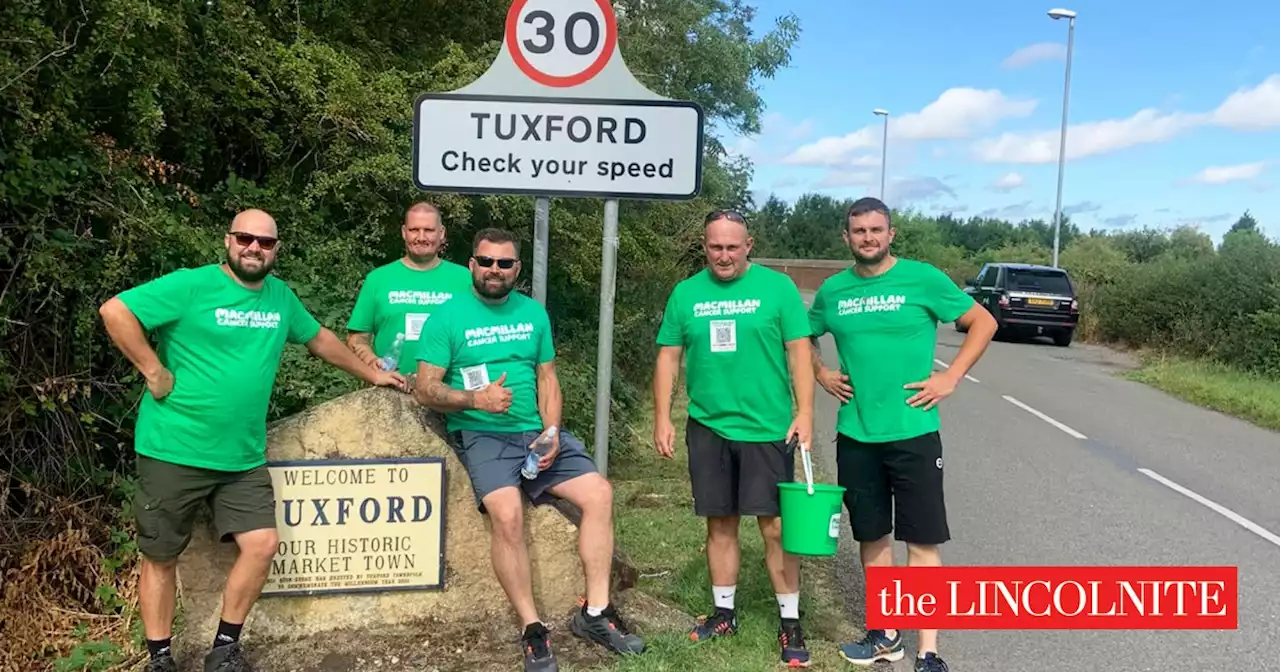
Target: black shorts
[(895, 486), (736, 478)]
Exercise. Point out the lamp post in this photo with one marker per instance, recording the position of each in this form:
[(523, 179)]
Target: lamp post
[(1070, 16), (884, 147)]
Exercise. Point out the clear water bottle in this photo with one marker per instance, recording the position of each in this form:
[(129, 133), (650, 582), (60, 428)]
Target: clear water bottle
[(541, 446), (391, 360)]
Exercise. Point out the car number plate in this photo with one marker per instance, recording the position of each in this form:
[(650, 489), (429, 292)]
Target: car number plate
[(1040, 302)]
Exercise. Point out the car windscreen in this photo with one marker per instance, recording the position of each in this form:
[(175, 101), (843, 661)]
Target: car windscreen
[(1040, 281)]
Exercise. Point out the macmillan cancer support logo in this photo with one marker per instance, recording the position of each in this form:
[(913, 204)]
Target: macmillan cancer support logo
[(417, 297), (724, 308), (499, 333), (885, 303), (247, 319)]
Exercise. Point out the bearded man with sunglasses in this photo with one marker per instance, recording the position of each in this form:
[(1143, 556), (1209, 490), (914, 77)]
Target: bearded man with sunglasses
[(487, 362), (201, 428), (744, 333)]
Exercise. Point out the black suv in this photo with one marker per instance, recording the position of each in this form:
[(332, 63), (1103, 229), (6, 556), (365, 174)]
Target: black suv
[(1028, 298)]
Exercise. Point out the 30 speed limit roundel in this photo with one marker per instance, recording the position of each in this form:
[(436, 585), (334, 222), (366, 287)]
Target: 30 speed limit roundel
[(561, 43)]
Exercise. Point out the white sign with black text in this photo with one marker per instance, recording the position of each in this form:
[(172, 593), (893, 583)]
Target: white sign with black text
[(558, 146)]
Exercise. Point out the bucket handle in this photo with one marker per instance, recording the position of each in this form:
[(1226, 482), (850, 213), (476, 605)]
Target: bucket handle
[(808, 468)]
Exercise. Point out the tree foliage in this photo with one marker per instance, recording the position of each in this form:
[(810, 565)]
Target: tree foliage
[(1170, 290)]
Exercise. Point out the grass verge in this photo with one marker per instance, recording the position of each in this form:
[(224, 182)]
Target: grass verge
[(665, 541), (1211, 385)]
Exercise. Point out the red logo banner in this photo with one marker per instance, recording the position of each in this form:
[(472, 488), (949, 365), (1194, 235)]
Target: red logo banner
[(1054, 597)]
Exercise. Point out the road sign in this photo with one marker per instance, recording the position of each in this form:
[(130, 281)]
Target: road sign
[(648, 149), (558, 113)]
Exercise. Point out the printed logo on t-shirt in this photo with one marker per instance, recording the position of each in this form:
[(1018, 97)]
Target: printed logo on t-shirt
[(417, 297), (499, 333), (720, 308), (885, 303), (248, 319), (724, 336)]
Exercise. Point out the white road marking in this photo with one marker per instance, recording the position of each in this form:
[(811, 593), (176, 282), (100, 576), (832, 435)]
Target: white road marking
[(1044, 417), (1232, 515), (947, 366)]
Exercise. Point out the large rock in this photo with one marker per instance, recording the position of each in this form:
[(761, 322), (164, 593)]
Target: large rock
[(386, 424)]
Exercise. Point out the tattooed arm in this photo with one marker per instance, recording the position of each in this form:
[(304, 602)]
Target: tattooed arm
[(432, 392)]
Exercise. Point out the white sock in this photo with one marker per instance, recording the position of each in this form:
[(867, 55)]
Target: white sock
[(789, 603), (594, 611), (724, 595)]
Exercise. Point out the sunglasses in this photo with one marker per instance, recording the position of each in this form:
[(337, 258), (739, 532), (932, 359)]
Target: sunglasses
[(504, 263), (246, 239), (731, 215)]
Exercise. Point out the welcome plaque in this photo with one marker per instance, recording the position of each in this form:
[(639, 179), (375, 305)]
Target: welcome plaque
[(358, 525)]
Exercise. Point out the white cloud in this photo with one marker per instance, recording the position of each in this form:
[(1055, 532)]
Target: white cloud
[(844, 178), (1034, 53), (916, 189), (957, 113), (1008, 182), (1225, 174), (1252, 109)]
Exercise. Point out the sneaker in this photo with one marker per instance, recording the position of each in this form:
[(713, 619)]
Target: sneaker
[(227, 658), (931, 663), (791, 639), (723, 623), (874, 646), (607, 630), (164, 663), (536, 644)]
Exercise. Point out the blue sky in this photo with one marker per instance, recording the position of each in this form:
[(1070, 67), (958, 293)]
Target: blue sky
[(1174, 111)]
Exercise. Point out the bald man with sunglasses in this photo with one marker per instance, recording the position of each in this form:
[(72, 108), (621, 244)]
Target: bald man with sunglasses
[(201, 429)]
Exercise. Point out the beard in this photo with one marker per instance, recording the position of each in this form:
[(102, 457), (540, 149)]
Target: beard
[(875, 258), (248, 275), (481, 283)]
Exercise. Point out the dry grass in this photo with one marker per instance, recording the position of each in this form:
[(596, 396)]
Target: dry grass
[(68, 602)]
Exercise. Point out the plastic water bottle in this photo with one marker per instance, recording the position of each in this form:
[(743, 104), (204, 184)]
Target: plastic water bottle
[(391, 360), (541, 446)]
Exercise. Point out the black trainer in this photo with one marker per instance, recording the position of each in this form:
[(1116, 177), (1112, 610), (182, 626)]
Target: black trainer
[(607, 630), (791, 639), (723, 623), (164, 663), (536, 644), (931, 663), (227, 658)]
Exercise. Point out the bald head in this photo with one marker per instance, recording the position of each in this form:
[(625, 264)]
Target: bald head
[(254, 221), (727, 243)]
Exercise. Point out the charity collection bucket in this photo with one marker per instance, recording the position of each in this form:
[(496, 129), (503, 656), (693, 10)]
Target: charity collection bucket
[(810, 515)]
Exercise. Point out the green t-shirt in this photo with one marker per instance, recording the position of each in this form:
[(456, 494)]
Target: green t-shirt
[(885, 329), (396, 300), (734, 336), (476, 342), (222, 342)]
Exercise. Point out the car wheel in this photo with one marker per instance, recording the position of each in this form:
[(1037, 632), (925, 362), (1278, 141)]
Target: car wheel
[(1063, 338)]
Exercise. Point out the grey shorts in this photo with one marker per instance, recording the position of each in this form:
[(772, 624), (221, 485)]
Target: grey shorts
[(493, 460)]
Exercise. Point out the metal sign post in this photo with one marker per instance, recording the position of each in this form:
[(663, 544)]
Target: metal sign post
[(559, 114)]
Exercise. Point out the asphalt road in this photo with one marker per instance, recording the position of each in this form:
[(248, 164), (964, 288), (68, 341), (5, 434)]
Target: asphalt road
[(1053, 459)]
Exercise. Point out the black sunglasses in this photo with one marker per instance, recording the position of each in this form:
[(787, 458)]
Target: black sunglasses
[(731, 215), (504, 263), (246, 239)]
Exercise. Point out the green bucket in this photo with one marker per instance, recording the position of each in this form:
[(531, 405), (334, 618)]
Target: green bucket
[(810, 515)]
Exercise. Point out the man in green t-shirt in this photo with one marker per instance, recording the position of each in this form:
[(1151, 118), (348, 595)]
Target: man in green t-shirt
[(743, 333), (487, 362), (396, 299), (883, 315), (220, 330)]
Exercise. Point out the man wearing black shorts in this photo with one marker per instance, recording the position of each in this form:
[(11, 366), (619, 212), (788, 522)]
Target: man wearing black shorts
[(486, 360), (743, 332), (883, 315)]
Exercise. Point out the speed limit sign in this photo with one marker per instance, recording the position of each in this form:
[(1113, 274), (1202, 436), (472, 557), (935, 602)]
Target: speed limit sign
[(561, 43)]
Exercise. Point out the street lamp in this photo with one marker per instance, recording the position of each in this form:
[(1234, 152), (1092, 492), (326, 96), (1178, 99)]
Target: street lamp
[(884, 147), (1070, 16)]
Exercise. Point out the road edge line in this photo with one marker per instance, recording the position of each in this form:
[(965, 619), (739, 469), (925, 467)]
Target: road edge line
[(1044, 417), (1216, 507), (945, 365)]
